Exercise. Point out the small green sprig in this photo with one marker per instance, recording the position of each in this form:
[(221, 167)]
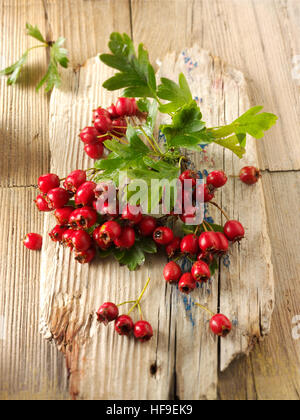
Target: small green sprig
[(58, 57)]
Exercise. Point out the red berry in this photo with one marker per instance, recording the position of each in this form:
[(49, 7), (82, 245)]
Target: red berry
[(48, 182), (206, 257), (112, 111), (132, 213), (143, 331), (63, 214), (110, 231), (173, 247), (85, 257), (163, 235), (223, 243), (103, 124), (100, 112), (81, 240), (74, 180), (188, 174), (67, 237), (84, 217), (127, 238), (124, 106), (217, 179), (220, 325), (134, 106), (89, 135), (94, 150), (119, 127), (58, 197), (234, 230), (147, 226), (124, 325), (200, 271), (41, 203), (57, 232), (186, 283), (99, 240), (189, 244), (33, 241), (85, 194), (172, 272), (209, 242), (208, 193), (106, 209), (250, 175), (107, 312)]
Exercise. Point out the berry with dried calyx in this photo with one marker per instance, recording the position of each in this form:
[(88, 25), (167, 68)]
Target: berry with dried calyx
[(47, 182), (143, 331), (200, 271), (190, 244), (110, 231), (67, 237), (126, 239), (220, 325), (107, 312), (163, 235), (249, 175), (74, 180), (186, 283), (208, 193), (85, 257), (85, 194), (172, 272), (57, 197), (124, 325), (57, 232), (41, 203), (33, 241), (99, 241), (217, 179), (84, 218), (147, 226), (234, 230), (173, 246)]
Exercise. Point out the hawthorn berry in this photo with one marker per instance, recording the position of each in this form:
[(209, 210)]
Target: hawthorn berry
[(132, 214), (234, 230), (67, 237), (124, 325), (186, 283), (143, 331), (126, 239), (206, 257), (217, 179), (84, 257), (81, 240), (189, 244), (173, 246), (84, 217), (47, 182), (89, 135), (103, 124), (94, 150), (249, 175), (209, 242), (105, 208), (188, 174), (100, 112), (41, 203), (172, 272), (163, 235), (223, 243), (220, 325), (112, 111), (63, 214), (208, 193), (74, 180), (147, 226), (110, 231), (98, 239), (107, 312), (200, 271), (85, 194), (119, 127), (188, 214), (57, 198), (57, 232), (33, 241), (126, 106)]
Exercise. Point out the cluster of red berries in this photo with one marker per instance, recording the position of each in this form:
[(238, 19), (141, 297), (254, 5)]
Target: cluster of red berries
[(107, 123)]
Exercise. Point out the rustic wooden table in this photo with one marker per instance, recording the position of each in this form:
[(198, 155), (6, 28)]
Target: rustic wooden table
[(259, 37)]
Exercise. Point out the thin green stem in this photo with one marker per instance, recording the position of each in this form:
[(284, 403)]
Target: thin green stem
[(137, 302), (38, 46), (149, 140), (125, 303), (205, 309)]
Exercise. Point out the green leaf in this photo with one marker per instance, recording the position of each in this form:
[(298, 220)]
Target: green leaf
[(59, 54), (35, 33), (132, 258), (14, 70), (233, 143), (148, 245), (178, 95), (51, 78), (136, 74)]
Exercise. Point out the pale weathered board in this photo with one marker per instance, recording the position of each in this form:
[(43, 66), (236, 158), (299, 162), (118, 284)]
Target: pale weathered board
[(103, 365)]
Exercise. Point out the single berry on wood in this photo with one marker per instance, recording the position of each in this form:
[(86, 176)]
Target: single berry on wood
[(124, 325), (57, 232), (74, 180), (186, 283), (220, 325), (132, 213), (249, 175), (126, 239), (33, 241), (143, 331), (173, 246), (85, 257), (81, 240), (107, 312), (85, 194), (163, 235), (234, 230), (190, 244), (147, 226), (84, 218), (217, 179), (47, 182), (172, 272), (41, 203), (58, 197), (89, 135), (63, 214), (200, 271)]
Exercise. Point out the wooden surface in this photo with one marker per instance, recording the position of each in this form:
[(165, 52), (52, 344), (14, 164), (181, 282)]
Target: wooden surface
[(259, 37)]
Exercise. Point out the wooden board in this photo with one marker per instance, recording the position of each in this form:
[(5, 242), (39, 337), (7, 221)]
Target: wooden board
[(101, 364)]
